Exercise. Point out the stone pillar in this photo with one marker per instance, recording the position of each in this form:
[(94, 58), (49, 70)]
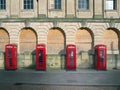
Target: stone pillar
[(70, 8), (98, 8), (14, 8), (42, 8)]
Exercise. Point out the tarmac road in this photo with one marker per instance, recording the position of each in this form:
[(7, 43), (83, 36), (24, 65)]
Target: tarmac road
[(82, 78), (59, 80), (55, 87)]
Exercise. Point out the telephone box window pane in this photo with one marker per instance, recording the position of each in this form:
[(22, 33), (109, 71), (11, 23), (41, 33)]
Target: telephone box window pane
[(2, 4), (40, 53), (28, 4), (71, 58), (102, 55), (10, 57)]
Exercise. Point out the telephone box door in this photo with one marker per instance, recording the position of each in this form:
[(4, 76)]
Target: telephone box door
[(100, 57), (40, 57), (71, 57), (10, 57)]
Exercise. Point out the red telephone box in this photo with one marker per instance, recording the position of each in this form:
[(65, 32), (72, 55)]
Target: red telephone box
[(71, 57), (40, 57), (10, 57), (100, 57)]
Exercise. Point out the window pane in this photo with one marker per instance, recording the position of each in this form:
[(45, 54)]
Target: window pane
[(28, 4), (83, 4), (57, 4), (2, 4), (111, 4), (25, 7), (115, 4)]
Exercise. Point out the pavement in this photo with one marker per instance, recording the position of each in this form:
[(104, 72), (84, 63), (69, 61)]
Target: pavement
[(61, 78)]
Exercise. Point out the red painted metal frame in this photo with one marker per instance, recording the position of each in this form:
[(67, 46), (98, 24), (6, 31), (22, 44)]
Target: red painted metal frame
[(13, 49), (98, 64), (68, 49), (41, 65)]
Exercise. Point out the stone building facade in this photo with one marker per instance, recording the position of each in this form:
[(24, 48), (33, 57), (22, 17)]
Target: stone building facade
[(57, 23)]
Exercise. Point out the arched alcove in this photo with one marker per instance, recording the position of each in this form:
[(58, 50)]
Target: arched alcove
[(83, 40), (28, 40), (110, 38), (4, 39), (56, 41)]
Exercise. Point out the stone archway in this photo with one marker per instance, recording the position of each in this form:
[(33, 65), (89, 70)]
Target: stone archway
[(4, 39)]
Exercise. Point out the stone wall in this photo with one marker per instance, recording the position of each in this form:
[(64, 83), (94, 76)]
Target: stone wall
[(67, 32)]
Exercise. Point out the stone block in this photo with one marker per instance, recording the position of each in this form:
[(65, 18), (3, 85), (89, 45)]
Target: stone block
[(118, 61), (112, 60), (1, 64), (41, 16), (83, 60), (20, 60), (28, 62), (70, 16), (98, 16), (27, 55), (1, 60), (55, 62)]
